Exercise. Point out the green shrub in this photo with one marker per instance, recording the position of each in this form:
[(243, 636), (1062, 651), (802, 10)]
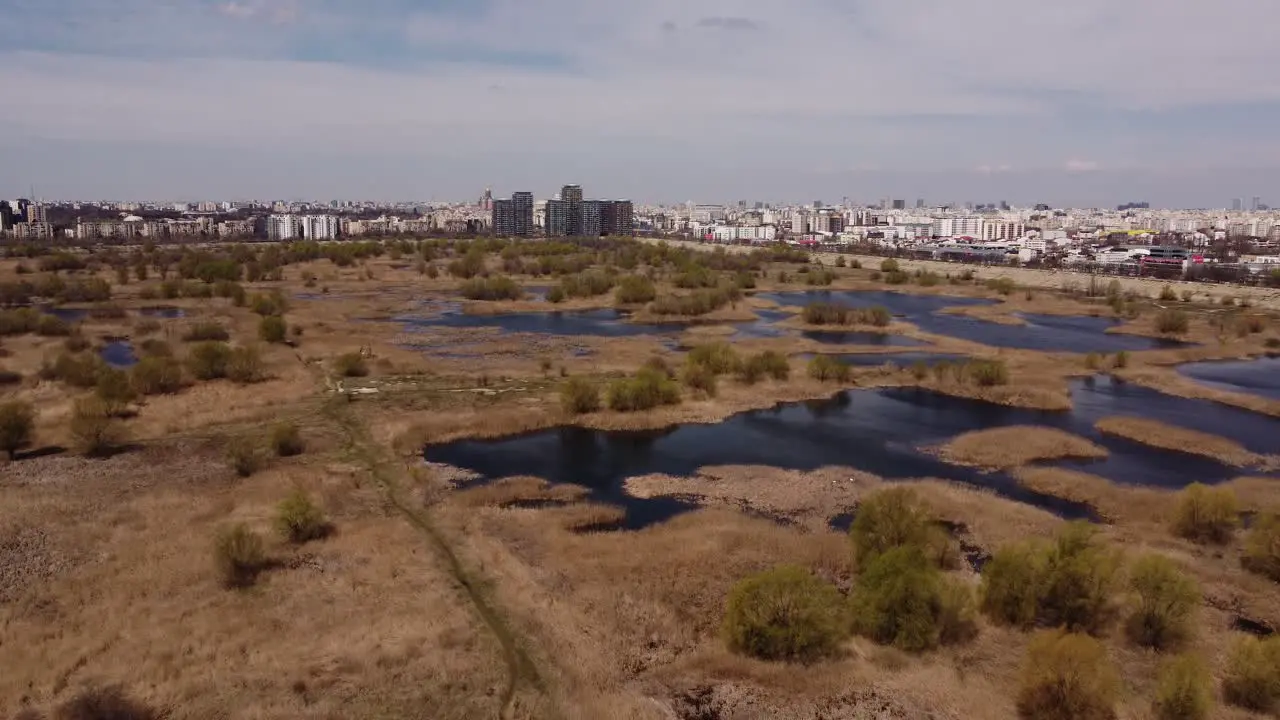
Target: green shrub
[(1262, 545), (648, 389), (156, 375), (893, 518), (300, 520), (492, 288), (243, 456), (840, 262), (899, 601), (1174, 322), (244, 365), (876, 315), (239, 556), (771, 363), (825, 367), (208, 360), (1206, 515), (93, 428), (1167, 294), (350, 364), (988, 373), (52, 326), (1070, 582), (272, 329), (19, 321), (1165, 601), (206, 331), (1184, 690), (784, 614), (824, 313), (819, 278), (555, 295), (889, 265), (115, 390), (1067, 677), (699, 302), (701, 378), (103, 703), (1121, 360), (896, 278), (586, 284), (268, 304), (718, 357), (1252, 678), (76, 369), (634, 289), (17, 419), (286, 440), (579, 396), (1002, 285)]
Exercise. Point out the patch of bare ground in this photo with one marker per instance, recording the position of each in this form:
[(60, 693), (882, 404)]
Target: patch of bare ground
[(1006, 447), (1178, 439), (364, 623)]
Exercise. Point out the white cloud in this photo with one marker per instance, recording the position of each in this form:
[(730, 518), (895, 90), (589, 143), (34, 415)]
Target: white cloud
[(1081, 166)]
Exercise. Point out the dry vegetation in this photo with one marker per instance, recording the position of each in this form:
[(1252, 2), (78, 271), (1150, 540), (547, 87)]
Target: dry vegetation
[(252, 543), (1175, 439)]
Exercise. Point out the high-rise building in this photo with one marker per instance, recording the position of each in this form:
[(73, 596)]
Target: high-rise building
[(572, 196), (282, 227), (522, 208), (504, 218), (21, 210), (319, 227), (557, 222), (591, 214), (899, 204), (6, 215), (1256, 204), (919, 203), (36, 213), (1237, 204), (616, 217)]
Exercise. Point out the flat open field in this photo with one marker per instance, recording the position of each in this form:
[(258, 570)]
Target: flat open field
[(433, 479)]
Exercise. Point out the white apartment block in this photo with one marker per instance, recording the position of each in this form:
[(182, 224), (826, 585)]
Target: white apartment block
[(1002, 230), (957, 226), (283, 227), (319, 227)]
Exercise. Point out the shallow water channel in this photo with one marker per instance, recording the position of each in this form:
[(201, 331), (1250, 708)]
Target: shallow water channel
[(878, 431), (1256, 377)]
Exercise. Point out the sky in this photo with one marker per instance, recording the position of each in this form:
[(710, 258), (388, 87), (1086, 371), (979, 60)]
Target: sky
[(1084, 103)]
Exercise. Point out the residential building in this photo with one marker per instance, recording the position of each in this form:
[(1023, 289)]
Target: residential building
[(32, 231), (591, 215), (514, 217), (283, 227), (557, 222), (572, 197), (36, 213), (617, 217), (6, 215)]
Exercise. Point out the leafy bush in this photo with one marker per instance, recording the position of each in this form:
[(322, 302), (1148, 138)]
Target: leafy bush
[(823, 313), (243, 456), (268, 304), (825, 367), (1173, 322), (206, 331), (94, 430), (115, 390), (272, 329), (586, 284), (350, 364), (1252, 679), (17, 419), (244, 365), (899, 601), (555, 295), (52, 326), (1206, 515), (819, 278), (718, 357), (784, 614), (286, 440), (1121, 360), (493, 288), (1067, 677), (634, 289), (1069, 582), (19, 321), (76, 369), (156, 375), (1167, 294), (1002, 285), (208, 360), (579, 396), (771, 363), (104, 703), (699, 302), (1184, 690), (988, 373), (893, 518), (701, 378), (1164, 602), (300, 520), (239, 555), (889, 265), (648, 389), (896, 278), (1262, 546)]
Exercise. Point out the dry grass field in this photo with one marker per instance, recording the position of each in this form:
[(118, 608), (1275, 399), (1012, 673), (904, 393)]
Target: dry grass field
[(432, 594)]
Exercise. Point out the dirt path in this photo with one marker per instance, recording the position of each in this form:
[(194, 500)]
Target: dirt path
[(522, 672), (1039, 278)]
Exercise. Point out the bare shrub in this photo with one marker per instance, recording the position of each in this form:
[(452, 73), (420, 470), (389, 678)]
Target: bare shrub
[(239, 555), (299, 519)]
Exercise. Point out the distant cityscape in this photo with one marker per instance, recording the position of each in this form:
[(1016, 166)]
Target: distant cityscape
[(1246, 232)]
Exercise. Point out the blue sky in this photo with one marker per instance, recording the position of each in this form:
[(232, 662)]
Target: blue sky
[(1090, 102)]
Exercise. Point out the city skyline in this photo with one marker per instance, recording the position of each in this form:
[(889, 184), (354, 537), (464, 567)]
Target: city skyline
[(658, 102)]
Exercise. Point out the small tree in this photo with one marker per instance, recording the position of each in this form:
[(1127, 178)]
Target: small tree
[(243, 456), (1080, 580), (239, 556), (115, 391), (95, 431), (1184, 691), (300, 520), (579, 396), (208, 360), (701, 378), (273, 329), (157, 375), (1165, 600), (1011, 583), (1067, 677), (784, 614), (825, 367), (1206, 515), (17, 419), (893, 518), (1262, 545), (902, 600), (1253, 674)]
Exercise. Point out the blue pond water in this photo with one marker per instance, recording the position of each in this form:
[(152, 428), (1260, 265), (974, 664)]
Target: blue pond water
[(878, 431), (1048, 333), (901, 359), (118, 354), (597, 323), (168, 313), (71, 315), (1256, 377), (859, 337)]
